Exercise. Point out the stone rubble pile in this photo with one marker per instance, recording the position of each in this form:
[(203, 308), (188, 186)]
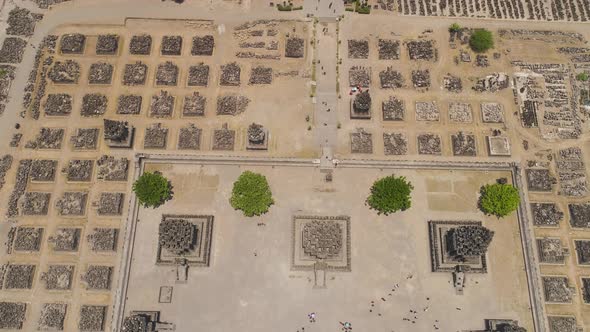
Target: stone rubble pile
[(100, 73), (203, 45), (64, 72), (189, 138), (94, 105), (129, 104), (72, 43), (361, 141), (231, 104), (194, 105), (162, 105), (359, 76), (12, 50), (48, 138), (230, 74), (167, 74), (358, 49), (156, 136), (394, 109), (391, 78), (107, 44), (140, 45), (171, 45), (260, 75), (198, 75), (389, 49), (395, 144), (85, 138), (58, 104), (135, 73), (294, 47)]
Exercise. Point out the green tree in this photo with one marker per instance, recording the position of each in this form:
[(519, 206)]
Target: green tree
[(152, 189), (582, 77), (481, 40), (390, 194), (251, 194), (455, 27), (499, 199)]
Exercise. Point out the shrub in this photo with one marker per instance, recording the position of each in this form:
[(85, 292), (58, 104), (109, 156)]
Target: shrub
[(455, 27), (582, 77), (251, 194), (499, 199), (390, 194), (362, 7), (481, 40), (152, 189)]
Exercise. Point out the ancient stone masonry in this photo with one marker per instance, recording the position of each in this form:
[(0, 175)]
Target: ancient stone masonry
[(22, 178), (492, 112), (583, 251), (162, 105), (72, 203), (98, 277), (361, 141), (110, 204), (460, 112), (230, 74), (257, 137), (394, 109), (65, 239), (64, 72), (579, 215), (224, 139), (359, 76), (135, 73), (58, 104), (140, 45), (551, 251), (110, 168), (492, 83), (585, 290), (156, 136), (178, 236), (469, 241), (546, 214), (12, 50), (358, 49), (184, 239), (6, 82), (422, 50), (361, 106), (52, 316), (58, 277), (12, 315), (198, 75), (189, 138), (5, 165), (79, 170), (481, 60), (563, 324), (421, 79), (260, 75), (557, 290), (35, 203), (167, 74), (32, 97), (135, 323), (294, 47), (194, 105), (391, 78), (129, 104), (72, 43), (21, 22), (571, 172), (427, 111), (429, 144), (103, 239), (92, 318), (322, 239), (85, 139), (231, 104), (28, 239), (389, 49), (19, 276), (94, 105), (100, 73), (43, 170), (107, 45), (118, 133), (464, 144), (203, 45), (540, 180), (15, 141), (452, 83), (395, 144), (171, 45)]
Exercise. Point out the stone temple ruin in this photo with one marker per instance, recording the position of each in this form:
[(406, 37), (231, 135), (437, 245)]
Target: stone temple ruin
[(118, 134), (100, 73), (257, 137), (184, 238), (224, 138), (360, 107), (361, 141), (177, 236), (557, 290), (395, 144)]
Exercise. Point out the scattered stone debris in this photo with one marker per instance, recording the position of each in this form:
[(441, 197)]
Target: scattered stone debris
[(129, 104), (140, 45), (563, 324), (464, 144), (100, 73), (103, 239), (135, 73), (452, 83), (429, 144), (52, 316), (66, 72), (481, 60), (12, 315), (572, 172), (58, 104), (389, 49), (107, 44), (361, 141), (551, 251), (189, 138), (224, 138), (58, 277), (391, 78), (72, 203), (358, 49), (98, 277), (579, 215), (167, 74), (394, 109), (231, 104), (546, 214), (257, 137), (294, 47), (65, 239), (421, 79), (194, 105), (92, 318), (94, 105), (135, 323), (85, 139), (110, 168), (583, 251), (427, 111), (198, 75), (492, 83), (156, 136), (171, 45), (21, 22), (557, 290), (230, 74), (361, 106), (118, 133), (72, 43), (5, 165), (20, 185), (260, 75), (422, 50), (79, 170), (43, 170), (162, 105), (203, 45), (35, 203), (12, 50), (19, 276), (15, 142), (110, 204), (28, 239), (492, 112), (395, 144), (460, 112), (540, 180), (359, 77)]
